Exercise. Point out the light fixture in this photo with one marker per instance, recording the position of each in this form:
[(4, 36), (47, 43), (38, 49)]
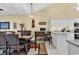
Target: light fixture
[(31, 10)]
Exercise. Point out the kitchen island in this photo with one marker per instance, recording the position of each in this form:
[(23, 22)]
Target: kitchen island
[(73, 47), (59, 41)]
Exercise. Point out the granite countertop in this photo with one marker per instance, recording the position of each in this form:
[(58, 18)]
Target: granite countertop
[(60, 33), (74, 42)]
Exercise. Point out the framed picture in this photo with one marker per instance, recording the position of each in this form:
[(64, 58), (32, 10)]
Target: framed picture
[(42, 23), (14, 25)]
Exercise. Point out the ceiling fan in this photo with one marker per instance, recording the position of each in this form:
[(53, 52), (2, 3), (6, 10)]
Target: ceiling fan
[(1, 9)]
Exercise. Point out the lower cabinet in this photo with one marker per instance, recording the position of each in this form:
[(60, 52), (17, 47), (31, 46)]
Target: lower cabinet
[(60, 43), (54, 41)]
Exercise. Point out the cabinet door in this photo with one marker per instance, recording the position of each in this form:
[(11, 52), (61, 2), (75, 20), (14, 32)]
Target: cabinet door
[(54, 40), (62, 44), (59, 42)]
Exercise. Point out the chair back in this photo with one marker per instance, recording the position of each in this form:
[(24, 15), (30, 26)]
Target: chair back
[(12, 39), (40, 35), (2, 39), (39, 38), (48, 34)]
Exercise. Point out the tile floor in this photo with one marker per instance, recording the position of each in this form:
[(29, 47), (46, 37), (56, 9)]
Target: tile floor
[(50, 50), (32, 52)]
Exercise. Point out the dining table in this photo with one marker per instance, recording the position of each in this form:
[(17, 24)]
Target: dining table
[(26, 37), (25, 41)]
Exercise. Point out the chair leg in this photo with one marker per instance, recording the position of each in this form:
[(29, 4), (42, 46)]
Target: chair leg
[(18, 52), (9, 51), (50, 41), (35, 47), (25, 46), (39, 49)]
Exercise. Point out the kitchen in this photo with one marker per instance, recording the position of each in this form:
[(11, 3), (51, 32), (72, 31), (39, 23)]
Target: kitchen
[(61, 19), (65, 35)]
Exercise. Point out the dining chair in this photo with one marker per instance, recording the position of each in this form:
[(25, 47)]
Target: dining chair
[(48, 37), (2, 44), (39, 38), (13, 42)]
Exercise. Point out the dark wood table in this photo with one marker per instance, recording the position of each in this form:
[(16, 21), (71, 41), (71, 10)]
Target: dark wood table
[(25, 41)]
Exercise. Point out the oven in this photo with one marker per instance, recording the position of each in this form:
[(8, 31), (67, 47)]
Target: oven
[(76, 30), (76, 35)]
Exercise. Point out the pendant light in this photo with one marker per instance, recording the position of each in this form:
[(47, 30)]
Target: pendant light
[(31, 16), (31, 10)]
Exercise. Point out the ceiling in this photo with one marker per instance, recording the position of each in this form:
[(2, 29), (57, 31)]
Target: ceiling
[(21, 8)]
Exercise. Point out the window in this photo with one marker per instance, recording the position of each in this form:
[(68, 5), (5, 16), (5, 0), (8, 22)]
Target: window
[(4, 25)]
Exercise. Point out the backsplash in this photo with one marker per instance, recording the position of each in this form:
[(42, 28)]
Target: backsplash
[(66, 29)]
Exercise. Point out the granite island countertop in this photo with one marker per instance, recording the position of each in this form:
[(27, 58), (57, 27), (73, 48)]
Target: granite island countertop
[(74, 42)]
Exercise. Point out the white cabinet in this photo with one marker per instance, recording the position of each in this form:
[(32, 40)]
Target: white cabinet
[(59, 42), (54, 40)]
